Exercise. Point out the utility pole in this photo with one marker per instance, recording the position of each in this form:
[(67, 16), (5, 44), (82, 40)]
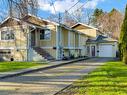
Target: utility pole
[(60, 18)]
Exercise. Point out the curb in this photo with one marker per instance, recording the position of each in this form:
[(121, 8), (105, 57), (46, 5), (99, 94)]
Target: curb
[(41, 68)]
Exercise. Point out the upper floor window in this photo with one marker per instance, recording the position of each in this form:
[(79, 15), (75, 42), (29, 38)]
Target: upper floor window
[(45, 34), (7, 35)]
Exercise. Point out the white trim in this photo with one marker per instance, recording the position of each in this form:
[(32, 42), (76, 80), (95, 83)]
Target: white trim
[(50, 47), (6, 40), (42, 19), (9, 18), (7, 30), (57, 42), (13, 48), (7, 48), (85, 25), (45, 39), (72, 48)]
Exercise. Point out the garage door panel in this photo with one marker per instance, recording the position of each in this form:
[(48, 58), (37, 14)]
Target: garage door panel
[(105, 51)]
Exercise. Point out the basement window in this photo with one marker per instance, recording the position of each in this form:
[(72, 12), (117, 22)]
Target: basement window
[(7, 35), (5, 52), (45, 34)]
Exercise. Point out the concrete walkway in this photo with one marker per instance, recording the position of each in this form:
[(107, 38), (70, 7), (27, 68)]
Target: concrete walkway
[(50, 81)]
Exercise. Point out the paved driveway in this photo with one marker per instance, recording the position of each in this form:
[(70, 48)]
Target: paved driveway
[(50, 81)]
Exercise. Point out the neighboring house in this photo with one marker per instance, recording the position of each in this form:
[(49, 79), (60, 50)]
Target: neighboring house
[(97, 45), (36, 39)]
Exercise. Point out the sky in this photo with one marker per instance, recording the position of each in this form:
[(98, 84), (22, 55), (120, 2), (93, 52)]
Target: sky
[(46, 6)]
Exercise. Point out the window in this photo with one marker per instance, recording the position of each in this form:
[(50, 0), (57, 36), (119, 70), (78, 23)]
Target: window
[(45, 34), (7, 35), (4, 52)]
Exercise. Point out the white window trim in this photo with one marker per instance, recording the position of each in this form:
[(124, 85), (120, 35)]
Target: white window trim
[(12, 40), (46, 39)]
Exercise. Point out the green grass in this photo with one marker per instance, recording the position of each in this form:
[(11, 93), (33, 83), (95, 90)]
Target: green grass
[(10, 66), (110, 79)]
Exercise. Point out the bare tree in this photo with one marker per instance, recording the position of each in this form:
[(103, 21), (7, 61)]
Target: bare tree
[(20, 8), (87, 16), (110, 23)]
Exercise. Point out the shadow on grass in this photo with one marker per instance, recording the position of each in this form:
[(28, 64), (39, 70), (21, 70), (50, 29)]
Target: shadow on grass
[(109, 79)]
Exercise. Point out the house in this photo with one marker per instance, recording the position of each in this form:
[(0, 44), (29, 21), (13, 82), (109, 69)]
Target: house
[(35, 39), (97, 44)]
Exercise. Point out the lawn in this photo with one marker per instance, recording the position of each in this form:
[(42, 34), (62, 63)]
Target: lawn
[(10, 66), (110, 79)]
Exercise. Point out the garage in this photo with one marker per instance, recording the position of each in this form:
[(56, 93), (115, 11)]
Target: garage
[(106, 50), (102, 46)]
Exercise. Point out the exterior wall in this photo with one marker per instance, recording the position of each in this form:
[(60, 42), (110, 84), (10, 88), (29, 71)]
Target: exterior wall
[(20, 55), (72, 39), (82, 44), (89, 32), (18, 46), (47, 45), (77, 40), (64, 37), (89, 52), (20, 38)]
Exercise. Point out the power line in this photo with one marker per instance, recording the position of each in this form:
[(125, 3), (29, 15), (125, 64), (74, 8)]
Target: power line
[(73, 5), (77, 9), (84, 4)]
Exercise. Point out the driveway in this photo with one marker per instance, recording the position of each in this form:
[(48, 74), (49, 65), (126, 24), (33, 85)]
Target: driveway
[(50, 81)]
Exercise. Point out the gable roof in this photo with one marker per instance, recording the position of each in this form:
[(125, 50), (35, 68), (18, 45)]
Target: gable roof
[(10, 21), (101, 39), (85, 25), (29, 17)]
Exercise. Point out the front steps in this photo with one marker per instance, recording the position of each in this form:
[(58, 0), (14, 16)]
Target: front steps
[(43, 53)]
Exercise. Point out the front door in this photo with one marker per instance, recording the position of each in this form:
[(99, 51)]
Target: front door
[(33, 41), (93, 50)]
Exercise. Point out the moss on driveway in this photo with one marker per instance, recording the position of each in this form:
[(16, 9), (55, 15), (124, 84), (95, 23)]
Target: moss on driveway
[(110, 79), (11, 66)]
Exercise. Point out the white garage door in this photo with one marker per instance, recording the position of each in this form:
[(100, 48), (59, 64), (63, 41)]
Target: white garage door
[(105, 51)]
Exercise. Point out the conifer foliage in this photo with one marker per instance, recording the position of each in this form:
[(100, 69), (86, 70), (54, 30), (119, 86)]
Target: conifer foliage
[(123, 39)]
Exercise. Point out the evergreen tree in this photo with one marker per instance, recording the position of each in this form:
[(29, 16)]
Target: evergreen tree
[(123, 39), (96, 14)]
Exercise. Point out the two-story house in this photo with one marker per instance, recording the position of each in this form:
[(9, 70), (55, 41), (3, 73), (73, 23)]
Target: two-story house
[(35, 39)]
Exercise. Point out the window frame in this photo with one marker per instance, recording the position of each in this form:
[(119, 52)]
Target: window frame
[(44, 39), (12, 31)]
